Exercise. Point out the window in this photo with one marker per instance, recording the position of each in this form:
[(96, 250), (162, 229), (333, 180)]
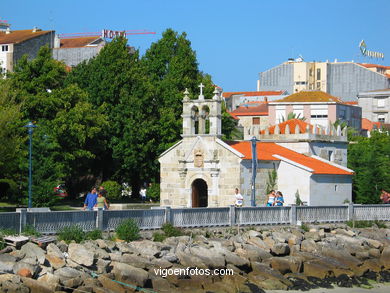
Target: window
[(318, 85), (381, 118), (4, 48), (381, 103), (342, 114), (335, 187), (318, 74), (256, 121), (310, 72), (330, 156)]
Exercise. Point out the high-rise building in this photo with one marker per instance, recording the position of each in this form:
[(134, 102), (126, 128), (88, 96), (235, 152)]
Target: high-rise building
[(340, 79)]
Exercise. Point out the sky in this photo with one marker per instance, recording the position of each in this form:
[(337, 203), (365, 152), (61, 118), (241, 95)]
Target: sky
[(233, 40)]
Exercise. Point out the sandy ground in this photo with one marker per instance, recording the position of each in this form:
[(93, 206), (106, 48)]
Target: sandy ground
[(378, 288)]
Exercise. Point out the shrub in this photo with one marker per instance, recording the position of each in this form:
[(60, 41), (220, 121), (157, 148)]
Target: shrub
[(153, 192), (159, 237), (380, 224), (93, 235), (29, 230), (305, 228), (171, 231), (128, 230), (113, 188), (359, 224), (7, 232), (71, 233)]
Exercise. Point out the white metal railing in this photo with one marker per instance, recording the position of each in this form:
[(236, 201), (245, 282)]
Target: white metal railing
[(52, 222)]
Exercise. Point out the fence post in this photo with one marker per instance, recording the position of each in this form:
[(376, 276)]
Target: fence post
[(168, 215), (350, 211), (99, 219), (293, 214), (232, 215), (23, 219)]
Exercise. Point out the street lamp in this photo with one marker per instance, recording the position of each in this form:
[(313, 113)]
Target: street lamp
[(30, 128), (254, 170)]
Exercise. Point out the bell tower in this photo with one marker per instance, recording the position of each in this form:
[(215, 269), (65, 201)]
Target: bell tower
[(202, 117)]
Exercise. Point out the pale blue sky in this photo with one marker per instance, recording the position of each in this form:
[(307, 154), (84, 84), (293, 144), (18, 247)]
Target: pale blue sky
[(234, 40)]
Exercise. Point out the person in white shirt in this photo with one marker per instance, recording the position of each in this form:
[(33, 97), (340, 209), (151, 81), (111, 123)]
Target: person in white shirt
[(239, 198)]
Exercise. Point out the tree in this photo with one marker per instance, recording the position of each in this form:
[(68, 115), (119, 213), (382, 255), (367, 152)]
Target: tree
[(292, 115), (369, 158)]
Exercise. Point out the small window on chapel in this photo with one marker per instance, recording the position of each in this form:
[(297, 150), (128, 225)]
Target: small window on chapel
[(4, 48)]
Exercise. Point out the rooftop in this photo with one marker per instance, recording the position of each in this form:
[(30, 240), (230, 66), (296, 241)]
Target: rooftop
[(253, 94), (369, 125), (310, 96), (254, 109), (368, 65), (15, 37), (267, 150), (77, 42)]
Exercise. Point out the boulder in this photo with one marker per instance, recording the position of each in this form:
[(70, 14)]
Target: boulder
[(135, 260), (313, 235), (53, 249), (317, 269), (55, 261), (67, 273), (161, 263), (146, 248), (79, 254), (374, 253), (259, 243), (253, 253), (11, 287), (36, 286), (374, 244), (73, 282), (253, 234), (109, 284), (32, 250), (115, 256), (345, 232), (7, 263), (384, 260), (234, 259), (161, 285), (126, 248), (125, 272), (280, 249), (27, 269), (102, 266), (210, 257), (171, 257), (24, 272), (288, 264), (188, 260), (281, 237), (62, 246), (308, 245), (51, 281), (264, 277), (269, 242)]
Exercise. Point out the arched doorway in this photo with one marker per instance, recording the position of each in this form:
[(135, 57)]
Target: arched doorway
[(199, 193)]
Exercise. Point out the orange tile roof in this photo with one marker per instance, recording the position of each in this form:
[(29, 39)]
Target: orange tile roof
[(266, 150), (260, 110), (77, 42), (350, 103), (15, 37), (253, 94), (292, 123), (369, 125), (310, 96), (368, 65)]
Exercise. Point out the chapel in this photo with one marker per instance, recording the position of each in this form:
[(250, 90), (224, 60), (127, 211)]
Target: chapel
[(202, 170)]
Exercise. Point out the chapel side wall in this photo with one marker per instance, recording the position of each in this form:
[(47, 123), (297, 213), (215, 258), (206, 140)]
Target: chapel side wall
[(292, 178), (171, 184), (330, 189)]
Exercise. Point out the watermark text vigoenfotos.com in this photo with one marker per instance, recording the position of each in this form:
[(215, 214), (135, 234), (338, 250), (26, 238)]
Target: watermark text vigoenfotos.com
[(192, 272)]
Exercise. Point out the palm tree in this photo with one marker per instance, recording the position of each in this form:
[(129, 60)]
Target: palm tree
[(292, 115)]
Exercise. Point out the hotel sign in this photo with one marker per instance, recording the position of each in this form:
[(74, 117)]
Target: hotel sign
[(365, 52), (109, 34)]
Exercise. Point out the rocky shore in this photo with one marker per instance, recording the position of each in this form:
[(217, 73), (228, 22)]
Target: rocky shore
[(262, 258)]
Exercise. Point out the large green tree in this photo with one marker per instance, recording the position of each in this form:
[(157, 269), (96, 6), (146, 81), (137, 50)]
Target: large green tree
[(369, 158)]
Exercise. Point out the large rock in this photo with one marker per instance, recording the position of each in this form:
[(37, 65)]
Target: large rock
[(147, 248), (234, 259), (135, 260), (54, 250), (51, 281), (32, 268), (288, 264), (55, 261), (188, 260), (67, 273), (36, 286), (210, 257), (79, 254), (109, 284), (259, 243), (308, 245), (33, 250), (267, 278), (280, 249), (161, 285), (385, 258), (253, 253), (125, 272), (7, 263)]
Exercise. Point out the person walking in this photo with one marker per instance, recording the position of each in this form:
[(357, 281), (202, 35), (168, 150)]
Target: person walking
[(279, 200), (142, 193), (90, 200), (239, 198), (270, 201), (101, 201)]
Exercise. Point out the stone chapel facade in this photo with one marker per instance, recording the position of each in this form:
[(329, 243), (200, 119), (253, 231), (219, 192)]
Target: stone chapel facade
[(201, 170)]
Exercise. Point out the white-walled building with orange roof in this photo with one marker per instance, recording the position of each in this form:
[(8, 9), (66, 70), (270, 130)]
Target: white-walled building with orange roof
[(16, 43), (73, 51), (234, 100), (202, 170), (317, 108)]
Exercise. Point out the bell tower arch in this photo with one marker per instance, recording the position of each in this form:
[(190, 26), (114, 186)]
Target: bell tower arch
[(202, 117)]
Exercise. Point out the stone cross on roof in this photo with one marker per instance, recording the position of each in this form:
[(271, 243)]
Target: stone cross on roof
[(201, 96)]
